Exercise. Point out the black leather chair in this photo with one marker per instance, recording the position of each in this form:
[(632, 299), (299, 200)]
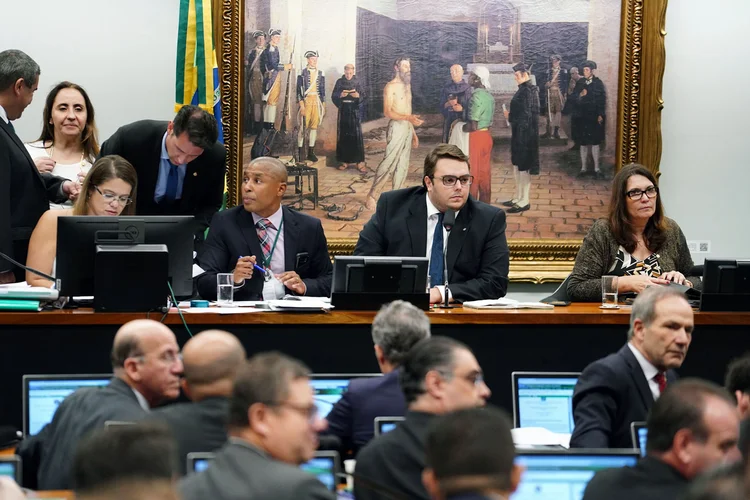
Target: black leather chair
[(560, 295)]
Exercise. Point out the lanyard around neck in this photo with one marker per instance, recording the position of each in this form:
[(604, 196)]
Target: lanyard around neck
[(267, 262)]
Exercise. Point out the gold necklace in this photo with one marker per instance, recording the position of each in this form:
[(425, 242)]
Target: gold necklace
[(83, 156)]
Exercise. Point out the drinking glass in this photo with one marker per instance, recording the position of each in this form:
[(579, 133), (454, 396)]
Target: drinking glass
[(609, 292)]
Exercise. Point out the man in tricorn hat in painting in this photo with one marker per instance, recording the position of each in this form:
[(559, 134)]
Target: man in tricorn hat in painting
[(311, 98), (255, 80), (271, 65), (555, 92), (589, 116)]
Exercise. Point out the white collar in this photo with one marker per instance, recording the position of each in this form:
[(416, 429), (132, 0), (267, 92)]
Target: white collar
[(275, 218), (4, 115), (649, 370), (141, 400), (432, 209)]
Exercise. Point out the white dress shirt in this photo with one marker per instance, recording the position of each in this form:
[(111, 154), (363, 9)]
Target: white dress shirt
[(649, 370), (141, 400), (432, 219), (4, 115)]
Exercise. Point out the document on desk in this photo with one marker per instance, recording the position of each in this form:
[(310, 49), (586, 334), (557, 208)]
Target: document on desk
[(301, 304), (223, 310), (505, 303), (22, 290), (525, 437)]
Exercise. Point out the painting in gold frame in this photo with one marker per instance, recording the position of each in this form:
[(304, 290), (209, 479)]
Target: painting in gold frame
[(634, 92)]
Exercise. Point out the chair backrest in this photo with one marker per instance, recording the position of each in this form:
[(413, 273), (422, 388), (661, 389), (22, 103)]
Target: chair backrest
[(560, 295)]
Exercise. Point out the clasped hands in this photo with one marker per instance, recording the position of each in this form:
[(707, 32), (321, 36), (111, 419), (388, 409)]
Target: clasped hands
[(244, 270)]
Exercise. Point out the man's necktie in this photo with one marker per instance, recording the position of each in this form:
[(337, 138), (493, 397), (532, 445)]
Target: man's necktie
[(265, 239), (661, 380), (12, 128), (171, 193), (436, 255)]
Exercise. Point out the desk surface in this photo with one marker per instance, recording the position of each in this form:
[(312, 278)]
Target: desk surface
[(574, 314)]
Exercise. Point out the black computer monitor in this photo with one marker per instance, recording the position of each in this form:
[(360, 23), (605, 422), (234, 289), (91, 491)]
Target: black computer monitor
[(10, 466), (639, 435), (384, 425), (76, 247), (544, 399), (325, 466), (379, 274), (726, 276), (329, 387), (198, 461)]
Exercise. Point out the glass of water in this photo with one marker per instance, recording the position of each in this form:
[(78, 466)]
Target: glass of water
[(224, 288), (609, 292)]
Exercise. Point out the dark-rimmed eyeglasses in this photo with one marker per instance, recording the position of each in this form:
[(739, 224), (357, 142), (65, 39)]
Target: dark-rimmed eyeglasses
[(109, 198), (637, 194), (450, 180)]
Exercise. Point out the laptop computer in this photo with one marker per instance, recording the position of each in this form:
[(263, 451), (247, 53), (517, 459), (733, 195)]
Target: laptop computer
[(544, 399), (42, 394), (324, 465), (639, 435), (386, 424), (329, 387), (564, 474), (10, 466)]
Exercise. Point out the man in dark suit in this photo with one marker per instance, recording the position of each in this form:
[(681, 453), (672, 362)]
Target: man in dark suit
[(692, 428), (211, 360), (273, 424), (147, 367), (25, 194), (180, 165), (409, 222), (470, 456), (397, 327), (290, 247), (621, 388), (439, 375)]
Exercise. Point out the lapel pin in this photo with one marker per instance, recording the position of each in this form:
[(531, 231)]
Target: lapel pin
[(465, 229), (195, 174)]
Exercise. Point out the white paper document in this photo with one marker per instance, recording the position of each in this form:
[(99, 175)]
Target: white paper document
[(505, 303), (538, 436)]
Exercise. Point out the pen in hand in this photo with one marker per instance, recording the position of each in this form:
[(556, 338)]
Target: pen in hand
[(257, 267)]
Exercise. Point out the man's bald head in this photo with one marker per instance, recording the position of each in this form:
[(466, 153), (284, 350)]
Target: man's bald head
[(272, 166), (211, 360), (131, 337)]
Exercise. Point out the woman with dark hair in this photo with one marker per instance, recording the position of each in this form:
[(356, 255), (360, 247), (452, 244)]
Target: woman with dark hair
[(108, 189), (636, 242), (68, 143)]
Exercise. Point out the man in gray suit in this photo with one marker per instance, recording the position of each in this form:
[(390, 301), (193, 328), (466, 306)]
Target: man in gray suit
[(147, 367), (273, 427), (211, 360)]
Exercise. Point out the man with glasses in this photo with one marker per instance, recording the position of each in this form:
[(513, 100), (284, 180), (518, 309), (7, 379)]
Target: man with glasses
[(273, 426), (409, 223), (438, 376), (147, 366), (180, 165)]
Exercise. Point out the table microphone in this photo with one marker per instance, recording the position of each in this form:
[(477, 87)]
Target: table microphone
[(449, 219), (31, 270)]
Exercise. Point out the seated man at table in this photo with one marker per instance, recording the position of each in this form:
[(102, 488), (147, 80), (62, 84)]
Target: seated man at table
[(409, 223), (397, 327), (271, 250), (147, 368), (180, 165), (621, 388), (439, 375)]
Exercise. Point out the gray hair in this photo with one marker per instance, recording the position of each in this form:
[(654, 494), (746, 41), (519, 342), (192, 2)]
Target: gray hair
[(397, 327), (644, 306), (15, 64)]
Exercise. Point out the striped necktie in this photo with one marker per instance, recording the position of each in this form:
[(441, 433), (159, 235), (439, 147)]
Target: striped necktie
[(265, 239)]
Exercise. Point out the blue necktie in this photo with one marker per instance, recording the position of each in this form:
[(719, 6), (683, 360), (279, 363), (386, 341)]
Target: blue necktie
[(171, 193), (436, 256)]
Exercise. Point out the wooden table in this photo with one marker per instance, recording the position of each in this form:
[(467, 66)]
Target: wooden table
[(563, 339)]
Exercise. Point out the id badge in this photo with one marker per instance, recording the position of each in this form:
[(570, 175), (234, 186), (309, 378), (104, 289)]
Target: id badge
[(272, 287)]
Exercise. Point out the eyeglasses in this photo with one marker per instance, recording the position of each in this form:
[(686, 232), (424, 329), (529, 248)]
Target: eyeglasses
[(637, 194), (450, 180), (109, 198), (474, 378), (310, 413), (167, 357)]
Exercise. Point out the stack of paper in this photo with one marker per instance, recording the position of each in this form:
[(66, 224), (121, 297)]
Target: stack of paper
[(526, 437), (22, 291), (505, 303)]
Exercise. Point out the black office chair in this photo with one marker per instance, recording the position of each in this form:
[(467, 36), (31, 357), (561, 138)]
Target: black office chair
[(560, 295)]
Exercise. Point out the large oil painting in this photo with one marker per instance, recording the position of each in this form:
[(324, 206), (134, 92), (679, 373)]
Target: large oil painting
[(352, 94)]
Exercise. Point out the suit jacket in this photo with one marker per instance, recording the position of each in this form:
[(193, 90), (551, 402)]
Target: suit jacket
[(83, 411), (25, 195), (477, 251), (394, 462), (202, 189), (241, 471), (352, 418), (233, 234), (649, 479), (611, 393), (199, 426)]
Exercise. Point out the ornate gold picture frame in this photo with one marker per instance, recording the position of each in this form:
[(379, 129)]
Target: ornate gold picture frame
[(637, 128)]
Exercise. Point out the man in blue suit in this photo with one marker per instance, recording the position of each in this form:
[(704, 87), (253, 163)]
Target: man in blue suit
[(614, 391), (396, 328), (271, 250)]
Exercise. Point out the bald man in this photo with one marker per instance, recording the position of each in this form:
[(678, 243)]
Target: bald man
[(147, 367), (211, 360), (290, 247)]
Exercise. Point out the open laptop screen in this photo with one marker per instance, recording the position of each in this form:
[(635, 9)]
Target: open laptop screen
[(324, 466), (10, 466), (563, 475), (42, 394), (639, 434), (328, 389), (544, 400)]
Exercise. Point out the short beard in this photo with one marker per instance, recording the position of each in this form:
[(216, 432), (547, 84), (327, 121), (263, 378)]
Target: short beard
[(405, 77)]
